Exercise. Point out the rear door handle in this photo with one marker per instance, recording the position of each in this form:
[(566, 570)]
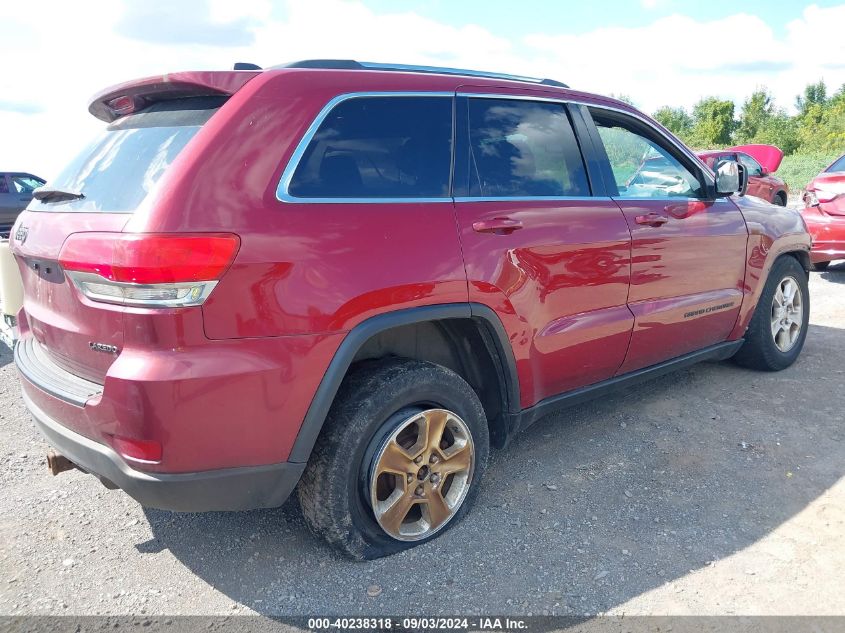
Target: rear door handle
[(652, 219), (498, 226)]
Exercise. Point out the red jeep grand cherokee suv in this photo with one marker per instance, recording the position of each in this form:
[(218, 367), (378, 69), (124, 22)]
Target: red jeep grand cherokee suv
[(352, 279)]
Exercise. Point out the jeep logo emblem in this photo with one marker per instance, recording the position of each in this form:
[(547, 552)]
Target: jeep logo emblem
[(21, 234)]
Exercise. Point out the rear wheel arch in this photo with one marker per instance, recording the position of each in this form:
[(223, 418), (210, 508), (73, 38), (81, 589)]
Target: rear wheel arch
[(467, 338)]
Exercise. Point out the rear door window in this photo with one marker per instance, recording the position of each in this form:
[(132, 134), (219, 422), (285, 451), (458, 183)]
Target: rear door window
[(391, 147), (123, 164), (523, 149)]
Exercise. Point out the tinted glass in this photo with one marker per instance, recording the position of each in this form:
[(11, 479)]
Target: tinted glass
[(839, 165), (523, 149), (4, 185), (642, 167), (751, 165), (123, 164), (379, 147)]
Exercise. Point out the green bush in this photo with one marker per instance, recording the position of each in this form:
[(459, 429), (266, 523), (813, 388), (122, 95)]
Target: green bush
[(799, 169)]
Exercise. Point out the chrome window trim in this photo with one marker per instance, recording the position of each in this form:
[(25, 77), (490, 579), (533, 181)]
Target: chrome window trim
[(531, 198), (287, 175)]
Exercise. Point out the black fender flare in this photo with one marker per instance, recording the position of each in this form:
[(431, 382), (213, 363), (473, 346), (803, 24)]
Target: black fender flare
[(312, 424)]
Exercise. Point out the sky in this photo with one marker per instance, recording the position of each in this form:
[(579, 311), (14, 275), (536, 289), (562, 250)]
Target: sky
[(656, 52)]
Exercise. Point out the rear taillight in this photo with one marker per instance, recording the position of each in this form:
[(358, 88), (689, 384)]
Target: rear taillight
[(155, 270)]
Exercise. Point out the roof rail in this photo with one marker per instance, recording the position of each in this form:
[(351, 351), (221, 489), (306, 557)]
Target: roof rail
[(351, 64)]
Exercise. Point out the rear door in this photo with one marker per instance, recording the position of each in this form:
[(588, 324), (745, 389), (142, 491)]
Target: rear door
[(688, 249), (549, 256), (115, 173)]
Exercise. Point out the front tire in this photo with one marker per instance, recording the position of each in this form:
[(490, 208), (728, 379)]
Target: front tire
[(398, 460), (776, 334)]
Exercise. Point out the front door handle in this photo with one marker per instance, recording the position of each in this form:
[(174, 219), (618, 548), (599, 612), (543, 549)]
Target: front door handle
[(498, 226), (652, 219)]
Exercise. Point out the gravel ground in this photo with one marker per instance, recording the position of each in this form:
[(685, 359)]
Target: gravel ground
[(715, 490)]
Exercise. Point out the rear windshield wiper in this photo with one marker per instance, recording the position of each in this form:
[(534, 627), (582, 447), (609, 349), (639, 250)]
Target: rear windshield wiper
[(52, 194)]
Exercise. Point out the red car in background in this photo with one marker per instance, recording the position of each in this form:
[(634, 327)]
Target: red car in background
[(824, 213), (761, 162)]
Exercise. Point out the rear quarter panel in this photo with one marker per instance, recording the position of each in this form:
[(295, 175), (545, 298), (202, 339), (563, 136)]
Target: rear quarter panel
[(302, 268), (772, 231)]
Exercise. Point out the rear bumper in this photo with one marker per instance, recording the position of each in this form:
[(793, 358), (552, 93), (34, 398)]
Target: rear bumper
[(225, 489)]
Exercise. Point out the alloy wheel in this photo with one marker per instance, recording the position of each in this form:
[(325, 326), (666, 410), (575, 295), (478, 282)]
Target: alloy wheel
[(787, 314), (421, 474)]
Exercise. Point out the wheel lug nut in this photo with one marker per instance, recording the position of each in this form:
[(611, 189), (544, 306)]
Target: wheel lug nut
[(434, 459), (410, 478), (435, 478), (419, 491), (418, 459)]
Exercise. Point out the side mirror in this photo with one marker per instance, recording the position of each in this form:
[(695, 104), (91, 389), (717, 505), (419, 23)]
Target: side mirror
[(731, 178)]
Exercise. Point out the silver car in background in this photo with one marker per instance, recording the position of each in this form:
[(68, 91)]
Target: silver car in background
[(15, 193)]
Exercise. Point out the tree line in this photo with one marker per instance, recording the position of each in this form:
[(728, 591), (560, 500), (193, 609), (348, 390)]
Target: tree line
[(818, 126)]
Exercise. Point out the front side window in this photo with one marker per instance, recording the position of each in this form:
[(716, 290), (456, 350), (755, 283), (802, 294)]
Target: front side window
[(753, 167), (379, 147), (642, 167), (523, 149)]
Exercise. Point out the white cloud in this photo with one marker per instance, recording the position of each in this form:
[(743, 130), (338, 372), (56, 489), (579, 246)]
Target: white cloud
[(675, 60)]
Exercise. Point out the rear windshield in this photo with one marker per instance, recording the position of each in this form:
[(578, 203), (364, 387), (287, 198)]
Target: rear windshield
[(123, 164), (839, 165)]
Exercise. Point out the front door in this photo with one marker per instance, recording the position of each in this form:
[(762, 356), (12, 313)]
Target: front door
[(688, 248), (759, 185), (549, 257)]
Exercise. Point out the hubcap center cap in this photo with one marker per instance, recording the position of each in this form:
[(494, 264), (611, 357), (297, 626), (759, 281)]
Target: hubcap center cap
[(422, 474)]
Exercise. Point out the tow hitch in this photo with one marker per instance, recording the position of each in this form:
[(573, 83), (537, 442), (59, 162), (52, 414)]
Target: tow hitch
[(59, 463)]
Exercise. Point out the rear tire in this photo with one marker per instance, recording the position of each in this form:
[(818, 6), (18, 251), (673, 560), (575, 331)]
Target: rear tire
[(780, 199), (776, 334), (398, 461)]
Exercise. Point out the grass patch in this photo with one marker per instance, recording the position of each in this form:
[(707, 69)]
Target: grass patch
[(799, 169)]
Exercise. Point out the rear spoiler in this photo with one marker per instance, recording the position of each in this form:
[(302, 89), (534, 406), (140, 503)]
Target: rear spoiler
[(122, 99)]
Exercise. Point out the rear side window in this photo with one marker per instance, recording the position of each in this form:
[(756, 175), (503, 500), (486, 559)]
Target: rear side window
[(523, 149), (123, 164), (379, 147)]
